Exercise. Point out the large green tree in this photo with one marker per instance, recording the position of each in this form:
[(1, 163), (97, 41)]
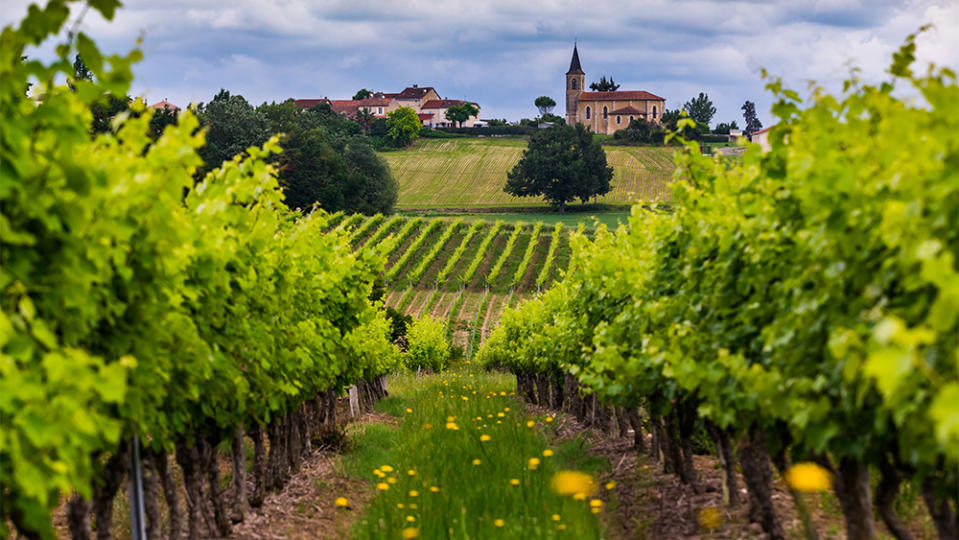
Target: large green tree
[(749, 115), (561, 164), (700, 109), (362, 93), (403, 126), (461, 113), (604, 85), (545, 105), (232, 125)]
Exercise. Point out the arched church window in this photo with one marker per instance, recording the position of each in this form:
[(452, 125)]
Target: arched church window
[(588, 112), (605, 112), (654, 111), (630, 118), (572, 84), (619, 119)]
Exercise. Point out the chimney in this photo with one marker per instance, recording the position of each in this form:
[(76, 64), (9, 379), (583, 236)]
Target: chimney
[(416, 86)]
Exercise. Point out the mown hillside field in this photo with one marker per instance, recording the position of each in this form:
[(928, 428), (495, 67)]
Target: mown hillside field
[(448, 173), (465, 271)]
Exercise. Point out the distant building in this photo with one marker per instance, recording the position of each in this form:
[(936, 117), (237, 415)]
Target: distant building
[(164, 104), (606, 112), (427, 103), (761, 138)]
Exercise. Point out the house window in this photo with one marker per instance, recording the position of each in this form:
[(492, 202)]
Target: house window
[(605, 112), (619, 119), (379, 110), (587, 113), (572, 84), (630, 118), (654, 111)]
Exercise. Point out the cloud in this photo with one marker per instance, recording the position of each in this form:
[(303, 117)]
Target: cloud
[(503, 53)]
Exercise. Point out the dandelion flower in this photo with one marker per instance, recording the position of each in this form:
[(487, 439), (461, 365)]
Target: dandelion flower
[(710, 518), (411, 519), (532, 463), (611, 484), (450, 418), (411, 472), (382, 486), (408, 410), (500, 415), (410, 533), (391, 480), (414, 493), (506, 409), (434, 489), (579, 496), (413, 507), (477, 461), (549, 418), (573, 483), (595, 503), (514, 481), (502, 393), (484, 438), (342, 502), (427, 426), (452, 426), (555, 517), (379, 473), (594, 510), (400, 506), (499, 522), (808, 477), (530, 423), (547, 453), (386, 468)]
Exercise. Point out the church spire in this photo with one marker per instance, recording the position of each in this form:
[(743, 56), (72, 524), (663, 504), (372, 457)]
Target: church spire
[(574, 66)]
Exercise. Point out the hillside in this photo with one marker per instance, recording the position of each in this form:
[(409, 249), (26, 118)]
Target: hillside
[(455, 173)]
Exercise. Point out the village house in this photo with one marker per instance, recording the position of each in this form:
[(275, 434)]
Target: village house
[(426, 101), (606, 112)]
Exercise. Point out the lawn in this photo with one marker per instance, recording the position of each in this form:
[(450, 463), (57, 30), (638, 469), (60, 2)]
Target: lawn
[(471, 172)]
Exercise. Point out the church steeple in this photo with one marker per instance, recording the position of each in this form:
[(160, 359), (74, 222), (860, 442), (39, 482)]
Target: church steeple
[(574, 66), (575, 79)]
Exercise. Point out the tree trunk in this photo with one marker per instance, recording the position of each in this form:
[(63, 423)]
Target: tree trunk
[(238, 461), (687, 426), (542, 389), (754, 460), (724, 449), (188, 458), (889, 481), (260, 481), (105, 490), (943, 515), (636, 423), (78, 518), (162, 464), (853, 490), (151, 496), (330, 416), (562, 207), (555, 393), (658, 450), (220, 516)]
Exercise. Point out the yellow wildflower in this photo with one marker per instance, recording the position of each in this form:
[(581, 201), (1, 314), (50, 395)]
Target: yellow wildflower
[(579, 497), (561, 527), (382, 486), (411, 519), (409, 410), (379, 473), (500, 415), (506, 409), (514, 481), (391, 480), (596, 503), (341, 501), (710, 518), (400, 505), (386, 468), (611, 484), (532, 463), (594, 510), (547, 453), (434, 489), (499, 522), (555, 517), (477, 461), (414, 493), (484, 437), (808, 477), (573, 483), (452, 425), (549, 418), (530, 423), (410, 533), (411, 472), (502, 393)]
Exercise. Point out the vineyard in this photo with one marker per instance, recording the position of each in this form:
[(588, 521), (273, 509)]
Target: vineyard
[(465, 273), (458, 173)]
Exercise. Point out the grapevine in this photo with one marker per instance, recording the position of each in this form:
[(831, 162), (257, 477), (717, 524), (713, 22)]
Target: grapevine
[(481, 253), (527, 255), (550, 255)]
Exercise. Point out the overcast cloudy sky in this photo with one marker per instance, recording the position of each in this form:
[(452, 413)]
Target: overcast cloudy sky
[(503, 54)]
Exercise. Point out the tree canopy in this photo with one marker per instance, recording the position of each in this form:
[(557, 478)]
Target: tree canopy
[(545, 105), (403, 126), (749, 115), (700, 109), (604, 85), (232, 125), (562, 163), (362, 93), (461, 112), (723, 128)]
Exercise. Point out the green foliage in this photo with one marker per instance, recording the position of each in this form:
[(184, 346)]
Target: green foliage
[(700, 109), (749, 115), (481, 253), (604, 85), (461, 112), (427, 347), (427, 260), (723, 128), (362, 93), (232, 126), (412, 249), (640, 131), (545, 105), (528, 254), (550, 255), (562, 164), (138, 301), (808, 295), (402, 125), (504, 254), (458, 253)]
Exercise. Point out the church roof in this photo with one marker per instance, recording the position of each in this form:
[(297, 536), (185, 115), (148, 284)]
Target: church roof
[(574, 66), (629, 109), (625, 95)]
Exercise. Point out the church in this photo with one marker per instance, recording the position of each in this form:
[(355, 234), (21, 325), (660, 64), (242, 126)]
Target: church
[(606, 112)]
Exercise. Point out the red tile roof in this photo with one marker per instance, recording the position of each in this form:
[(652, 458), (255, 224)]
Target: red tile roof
[(424, 116), (307, 103), (164, 105), (629, 109), (415, 92), (444, 103), (640, 95), (373, 102)]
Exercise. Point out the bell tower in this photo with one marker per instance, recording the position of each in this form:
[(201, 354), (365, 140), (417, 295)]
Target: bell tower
[(575, 78)]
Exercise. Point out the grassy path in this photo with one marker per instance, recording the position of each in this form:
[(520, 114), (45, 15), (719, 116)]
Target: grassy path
[(466, 460)]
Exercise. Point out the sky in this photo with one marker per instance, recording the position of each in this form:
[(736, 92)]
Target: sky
[(502, 54)]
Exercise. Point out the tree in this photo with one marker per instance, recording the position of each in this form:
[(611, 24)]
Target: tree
[(162, 118), (362, 93), (723, 128), (232, 125), (749, 115), (545, 105), (461, 112), (603, 85), (403, 126), (641, 131), (497, 122), (365, 118), (700, 109), (562, 163)]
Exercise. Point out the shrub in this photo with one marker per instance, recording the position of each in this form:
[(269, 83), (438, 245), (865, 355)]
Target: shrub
[(427, 344)]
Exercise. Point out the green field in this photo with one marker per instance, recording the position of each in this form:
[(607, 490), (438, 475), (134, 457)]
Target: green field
[(458, 173), (570, 219)]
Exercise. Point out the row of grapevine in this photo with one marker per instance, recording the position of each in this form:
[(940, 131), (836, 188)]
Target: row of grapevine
[(335, 219), (348, 223), (481, 253), (801, 306), (504, 255), (381, 233), (361, 231), (550, 256), (420, 269), (527, 255), (402, 235), (139, 304), (458, 254), (412, 249)]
